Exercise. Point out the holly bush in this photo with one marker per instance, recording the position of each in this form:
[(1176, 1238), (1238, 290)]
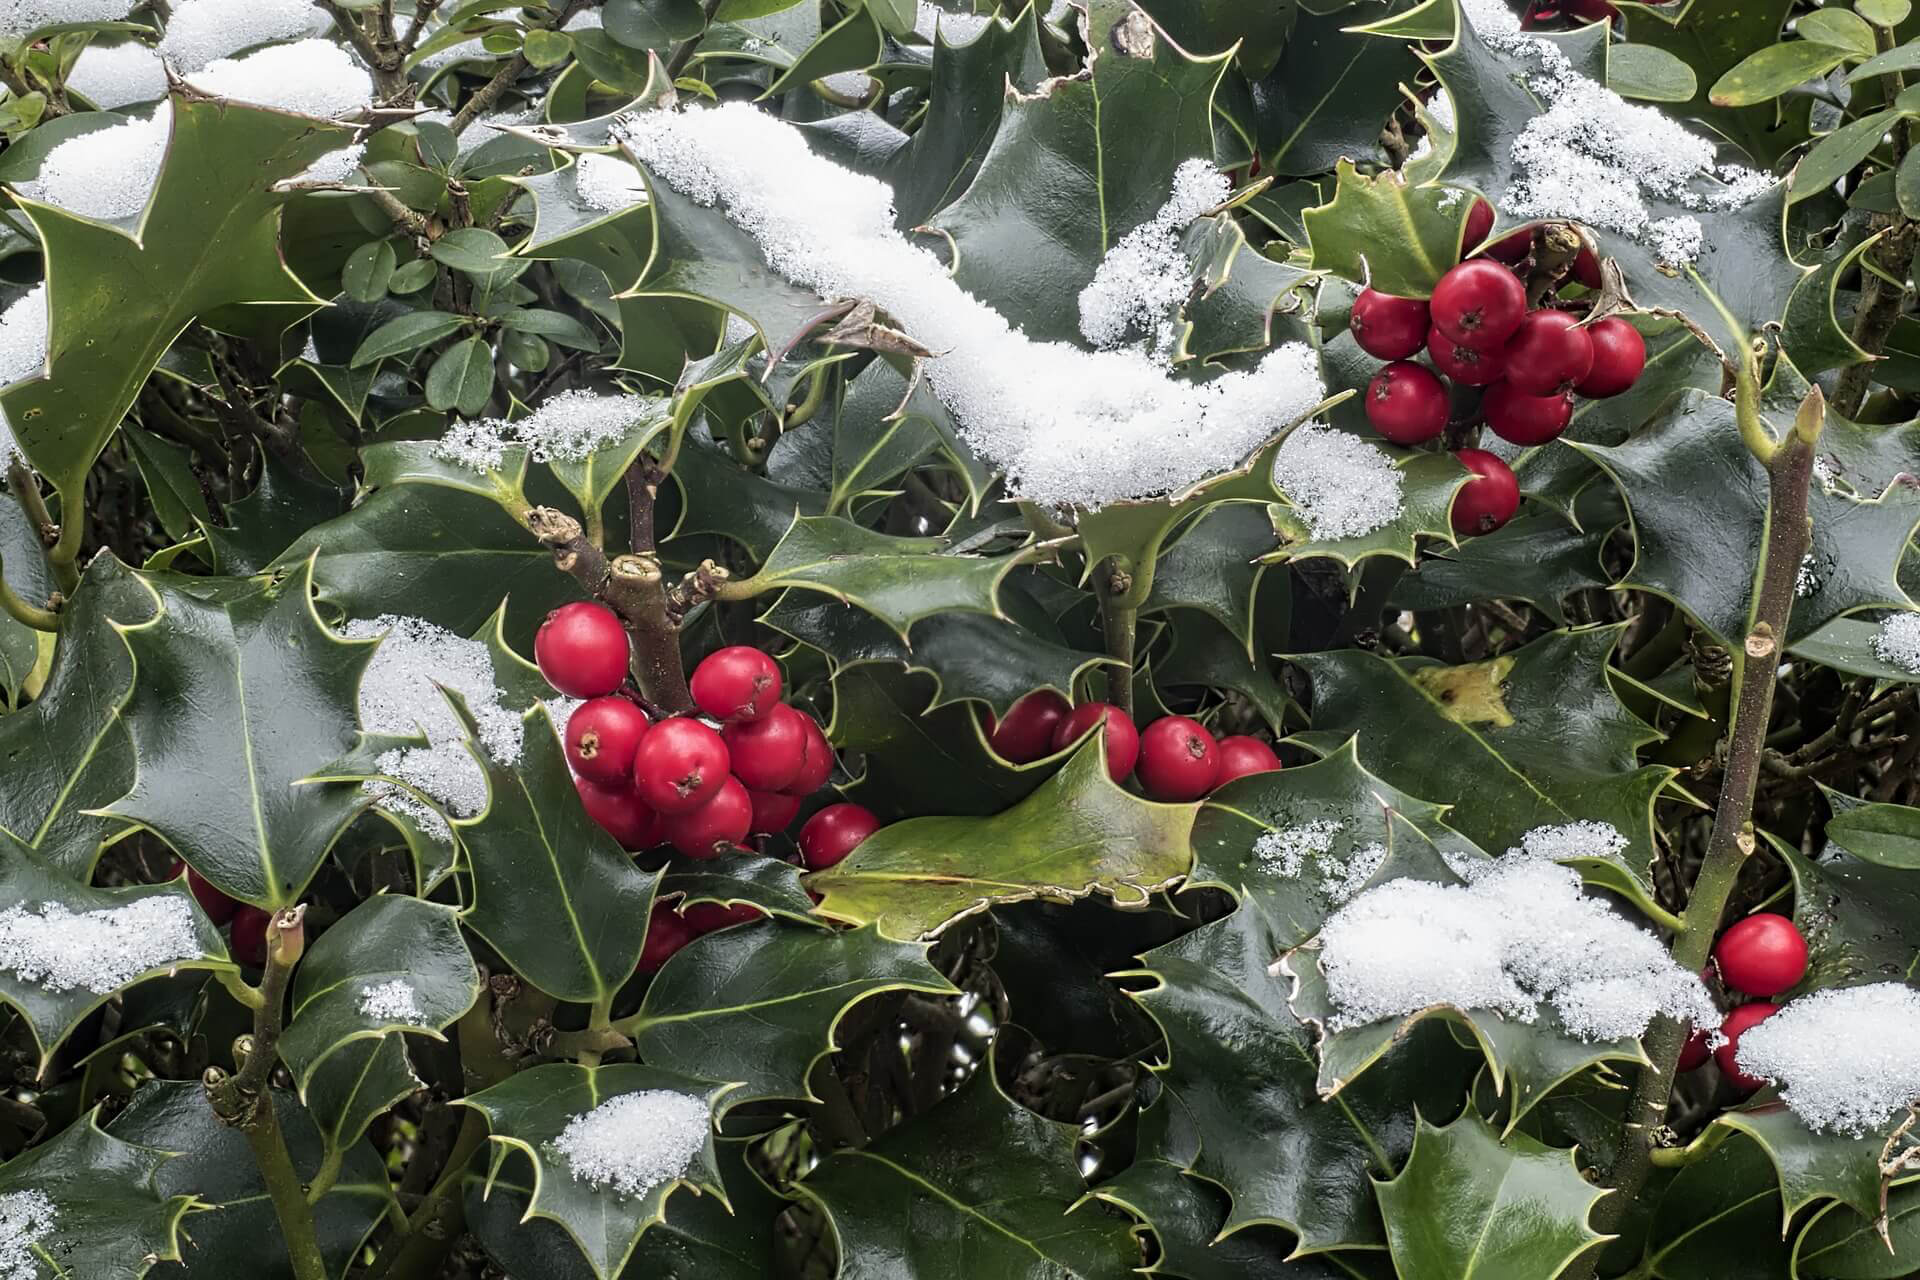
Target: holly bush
[(807, 638)]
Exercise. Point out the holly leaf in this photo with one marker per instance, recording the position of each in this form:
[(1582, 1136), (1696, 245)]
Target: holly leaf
[(528, 1112), (1328, 97), (1215, 26), (1808, 1167), (1202, 655), (1470, 1206), (99, 1211), (752, 879), (1717, 1220), (352, 1088), (1382, 230), (238, 684), (1214, 567), (1078, 834), (1841, 1244), (758, 1007), (914, 1202), (1536, 558), (1858, 917), (1846, 644), (261, 526)]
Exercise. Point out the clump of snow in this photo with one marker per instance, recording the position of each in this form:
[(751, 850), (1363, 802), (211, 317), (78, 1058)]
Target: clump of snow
[(113, 75), (1340, 485), (608, 182), (1897, 643), (23, 353), (585, 20), (1069, 427), (202, 30), (335, 166), (394, 1000), (568, 427), (101, 951), (399, 697), (1593, 157), (1144, 277), (26, 1218), (21, 17), (106, 174), (1519, 936), (633, 1143), (310, 77), (1563, 841), (958, 28), (1847, 1060)]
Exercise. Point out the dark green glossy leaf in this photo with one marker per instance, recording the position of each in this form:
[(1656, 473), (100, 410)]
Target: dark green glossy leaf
[(1810, 1167), (1842, 1244), (1887, 834), (1536, 558), (767, 883), (461, 377), (110, 1220), (261, 526), (1213, 567), (1718, 1220), (1328, 96), (1846, 644), (352, 1088)]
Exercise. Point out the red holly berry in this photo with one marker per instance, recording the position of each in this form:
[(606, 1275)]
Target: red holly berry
[(833, 833), (1480, 224), (1407, 403), (736, 683), (772, 811), (1387, 326), (767, 753), (705, 917), (1027, 732), (1586, 267), (1468, 366), (1489, 499), (602, 735), (1694, 1053), (1241, 755), (1732, 1029), (1549, 352), (817, 767), (1761, 955), (247, 935), (666, 934), (1519, 418), (619, 813), (1479, 303), (1123, 738), (1619, 354), (218, 906), (715, 826), (1179, 760), (582, 650), (680, 765)]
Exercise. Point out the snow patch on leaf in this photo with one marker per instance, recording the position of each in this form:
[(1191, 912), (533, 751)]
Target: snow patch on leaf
[(58, 949), (18, 17), (1140, 284), (1897, 643), (394, 1000), (1340, 485), (108, 173), (310, 77), (202, 30), (633, 1143), (569, 427), (26, 1218), (609, 183), (114, 75), (1847, 1060)]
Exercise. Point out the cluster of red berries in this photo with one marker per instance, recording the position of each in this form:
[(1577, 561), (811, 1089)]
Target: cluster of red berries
[(1479, 332), (1176, 757), (1761, 955)]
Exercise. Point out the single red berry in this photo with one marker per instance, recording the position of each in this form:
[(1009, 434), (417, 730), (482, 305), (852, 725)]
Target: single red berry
[(1694, 1053), (817, 767), (772, 811), (1479, 303), (582, 650), (620, 813), (1179, 760), (679, 766), (736, 683), (666, 934), (218, 906), (705, 917), (1549, 352), (1519, 418), (833, 833), (716, 826), (1468, 366), (247, 935), (1241, 755), (1026, 734), (1586, 267), (1619, 354), (602, 735), (1123, 738), (767, 753), (1489, 499), (1761, 955), (1387, 326), (1407, 403), (1732, 1029)]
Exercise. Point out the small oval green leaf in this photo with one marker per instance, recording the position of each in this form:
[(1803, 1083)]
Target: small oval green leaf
[(368, 271), (1650, 74), (405, 333), (462, 377), (1883, 13), (1839, 28), (1771, 72)]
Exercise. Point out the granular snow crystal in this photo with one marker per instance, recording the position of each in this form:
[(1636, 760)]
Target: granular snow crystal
[(1566, 840), (608, 183), (1306, 850), (26, 1218), (113, 75), (1847, 1059), (202, 30), (1070, 427), (1144, 278), (310, 77), (394, 1000), (568, 427), (58, 949), (1519, 936), (1341, 486), (20, 17), (1897, 643), (633, 1143), (108, 173)]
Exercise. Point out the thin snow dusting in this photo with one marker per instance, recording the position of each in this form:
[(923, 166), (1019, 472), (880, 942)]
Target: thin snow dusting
[(1520, 936), (1144, 278), (394, 1000), (108, 173), (23, 352), (633, 1143), (958, 28), (310, 77), (202, 30), (1070, 427), (1897, 643), (607, 182), (20, 17), (569, 427), (1339, 484), (1847, 1059), (113, 75), (26, 1218), (1305, 851), (58, 949)]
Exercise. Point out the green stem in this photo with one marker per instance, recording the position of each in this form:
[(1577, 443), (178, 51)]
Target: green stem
[(289, 1200), (1119, 620), (29, 614)]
